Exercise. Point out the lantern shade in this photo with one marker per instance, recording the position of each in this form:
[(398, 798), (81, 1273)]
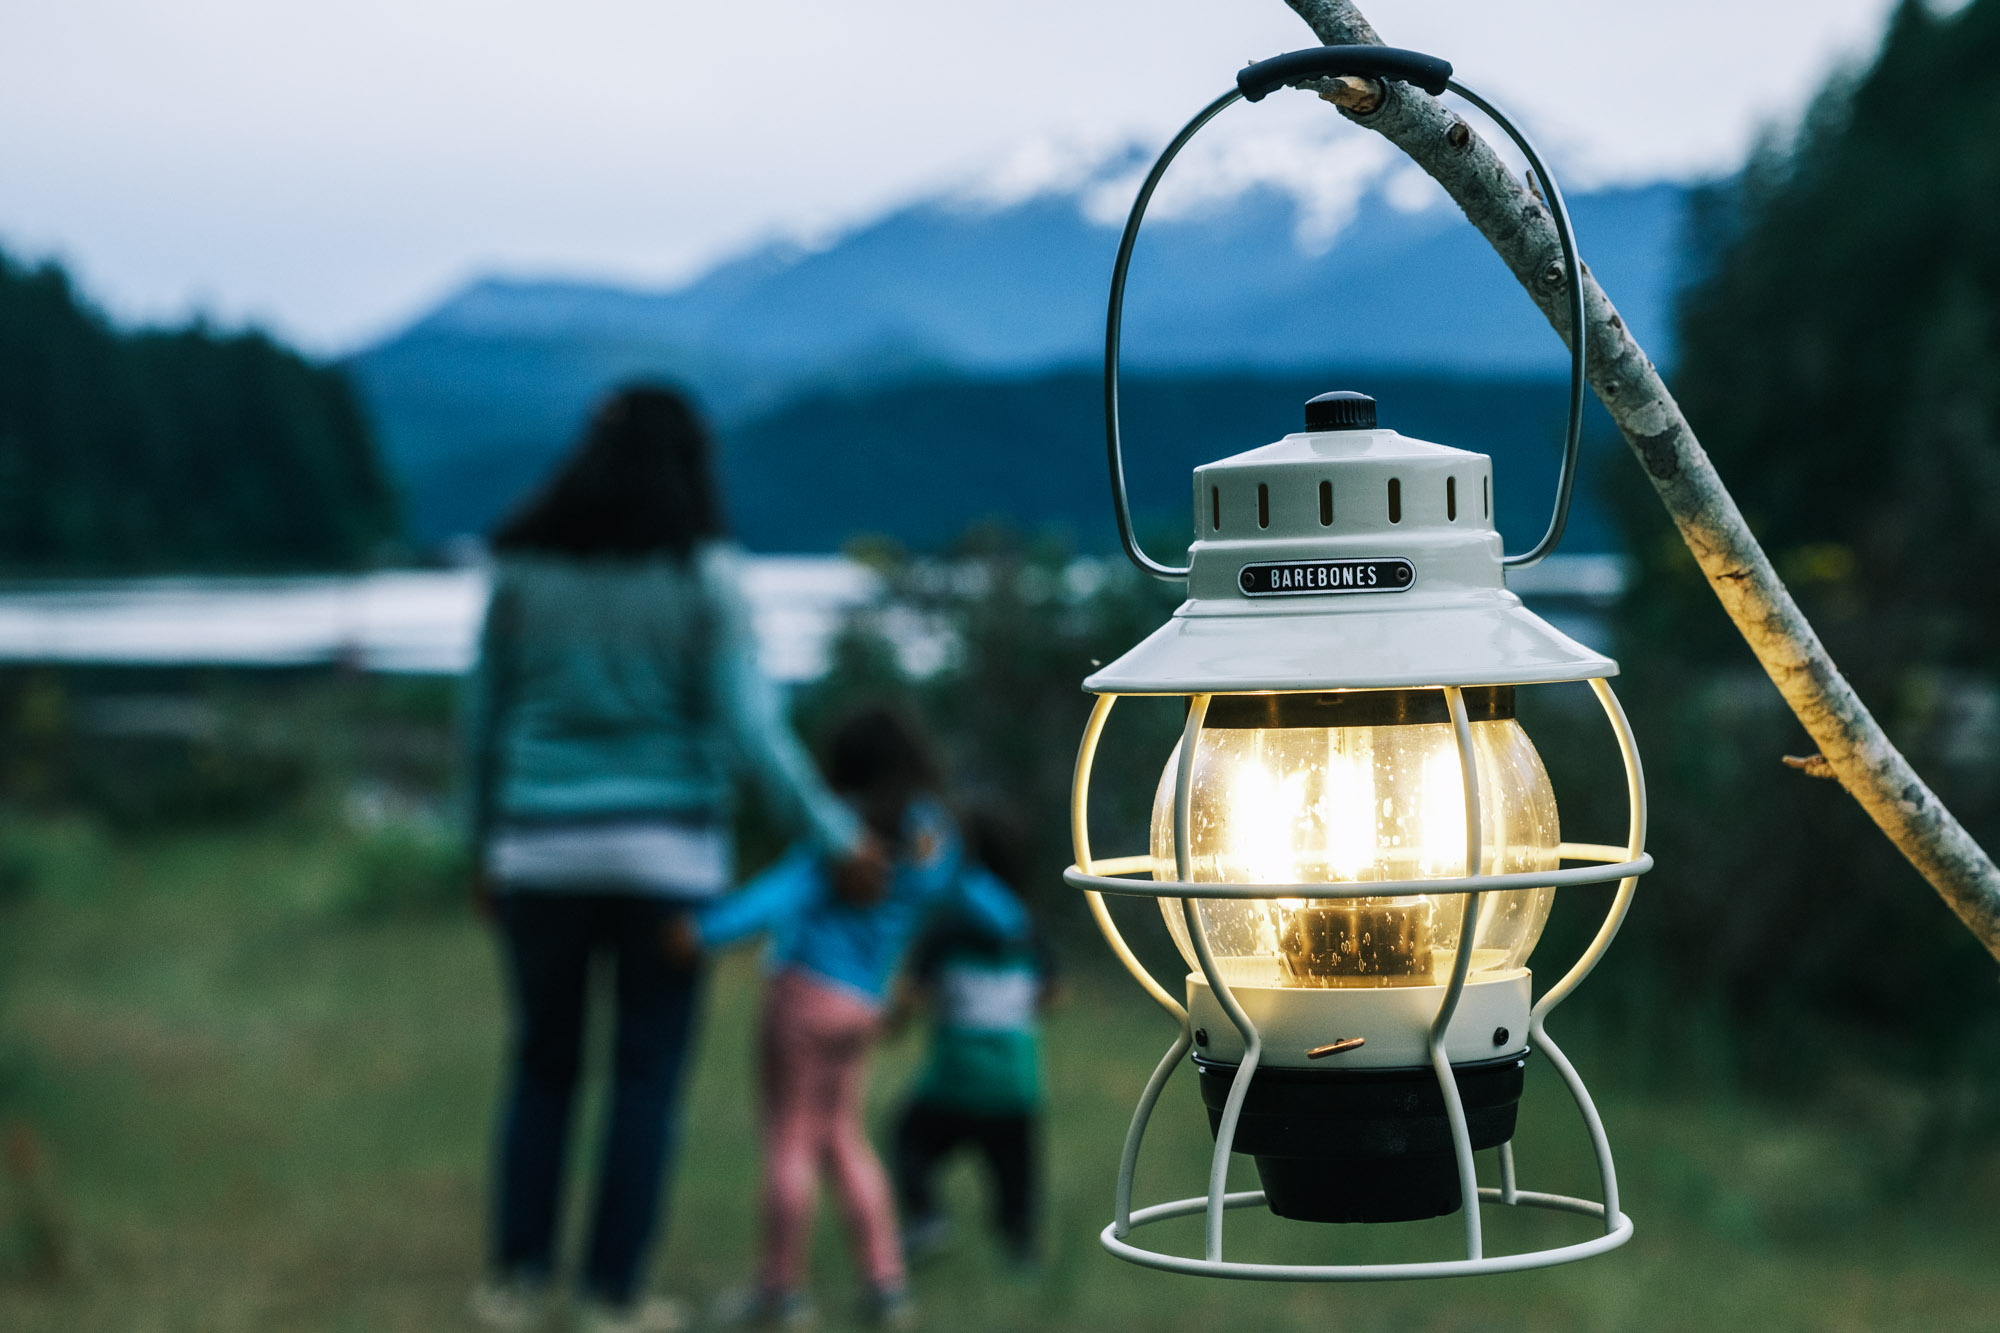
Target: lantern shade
[(1347, 559), (1480, 640)]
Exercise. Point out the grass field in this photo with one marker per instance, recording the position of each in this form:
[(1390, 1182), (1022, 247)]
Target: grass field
[(234, 1103)]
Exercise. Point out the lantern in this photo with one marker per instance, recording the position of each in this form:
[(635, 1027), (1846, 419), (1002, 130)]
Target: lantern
[(1355, 844)]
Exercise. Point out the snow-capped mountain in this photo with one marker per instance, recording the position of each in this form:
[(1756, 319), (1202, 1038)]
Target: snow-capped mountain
[(1274, 254)]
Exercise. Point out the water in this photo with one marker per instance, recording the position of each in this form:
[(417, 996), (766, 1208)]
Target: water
[(415, 621), (426, 621)]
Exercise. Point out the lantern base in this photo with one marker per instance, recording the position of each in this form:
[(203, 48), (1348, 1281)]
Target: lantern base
[(1489, 1021), (1402, 1189), (1363, 1145)]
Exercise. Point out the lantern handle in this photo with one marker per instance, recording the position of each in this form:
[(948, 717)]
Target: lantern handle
[(1254, 83), (1259, 80)]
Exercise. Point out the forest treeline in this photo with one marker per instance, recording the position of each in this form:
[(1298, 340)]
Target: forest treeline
[(174, 450), (1840, 360)]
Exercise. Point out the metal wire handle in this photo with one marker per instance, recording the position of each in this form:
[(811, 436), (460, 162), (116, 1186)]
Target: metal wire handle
[(1253, 83)]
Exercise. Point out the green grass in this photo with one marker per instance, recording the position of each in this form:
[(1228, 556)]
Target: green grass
[(257, 1109)]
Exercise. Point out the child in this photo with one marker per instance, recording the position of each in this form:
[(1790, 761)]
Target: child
[(982, 1084), (832, 957)]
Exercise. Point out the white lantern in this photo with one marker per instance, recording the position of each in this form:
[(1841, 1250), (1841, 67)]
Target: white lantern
[(1355, 844)]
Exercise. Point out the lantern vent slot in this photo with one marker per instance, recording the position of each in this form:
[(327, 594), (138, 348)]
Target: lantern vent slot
[(1263, 505), (1486, 497), (1395, 500), (1451, 499), (1326, 504), (1215, 507)]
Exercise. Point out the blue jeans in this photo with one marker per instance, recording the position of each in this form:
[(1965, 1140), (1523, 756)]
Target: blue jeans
[(551, 940)]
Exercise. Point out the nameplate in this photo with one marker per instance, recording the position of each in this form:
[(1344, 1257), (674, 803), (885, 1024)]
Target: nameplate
[(1306, 578)]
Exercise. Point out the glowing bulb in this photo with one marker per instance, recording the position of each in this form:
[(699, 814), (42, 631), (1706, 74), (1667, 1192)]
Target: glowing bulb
[(1331, 805)]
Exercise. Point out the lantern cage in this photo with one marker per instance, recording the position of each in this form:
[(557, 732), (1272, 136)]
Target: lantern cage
[(1344, 581), (1601, 864)]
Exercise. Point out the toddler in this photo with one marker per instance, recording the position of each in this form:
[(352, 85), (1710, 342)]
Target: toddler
[(981, 1087)]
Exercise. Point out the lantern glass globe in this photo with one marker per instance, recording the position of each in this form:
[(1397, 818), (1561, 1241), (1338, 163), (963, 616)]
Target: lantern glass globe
[(1351, 804)]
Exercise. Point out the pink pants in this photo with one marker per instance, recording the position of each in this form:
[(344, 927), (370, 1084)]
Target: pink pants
[(814, 1053)]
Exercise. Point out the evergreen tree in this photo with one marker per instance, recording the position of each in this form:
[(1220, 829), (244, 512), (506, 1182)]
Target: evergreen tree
[(1841, 359), (178, 450), (1841, 362)]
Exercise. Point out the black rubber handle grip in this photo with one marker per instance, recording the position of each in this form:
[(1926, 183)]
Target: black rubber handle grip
[(1265, 77)]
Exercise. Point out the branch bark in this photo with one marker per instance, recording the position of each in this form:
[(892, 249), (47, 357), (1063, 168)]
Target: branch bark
[(1855, 749)]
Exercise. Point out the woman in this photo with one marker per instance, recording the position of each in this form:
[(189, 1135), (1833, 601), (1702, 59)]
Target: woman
[(617, 688)]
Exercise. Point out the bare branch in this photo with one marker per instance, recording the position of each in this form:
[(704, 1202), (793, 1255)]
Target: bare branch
[(1851, 743), (1350, 92), (1812, 765)]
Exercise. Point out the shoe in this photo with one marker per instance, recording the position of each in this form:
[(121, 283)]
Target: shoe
[(926, 1238), (654, 1314), (888, 1307), (757, 1307), (511, 1305)]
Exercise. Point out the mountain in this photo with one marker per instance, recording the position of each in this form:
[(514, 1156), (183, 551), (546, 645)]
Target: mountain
[(924, 461), (475, 398)]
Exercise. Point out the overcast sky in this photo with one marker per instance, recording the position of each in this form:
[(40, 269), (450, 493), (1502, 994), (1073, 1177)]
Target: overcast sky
[(329, 170)]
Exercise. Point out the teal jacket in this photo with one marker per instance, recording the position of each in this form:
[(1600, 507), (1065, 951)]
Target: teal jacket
[(630, 688)]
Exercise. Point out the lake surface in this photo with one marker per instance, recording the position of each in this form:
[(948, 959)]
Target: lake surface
[(418, 621), (426, 621)]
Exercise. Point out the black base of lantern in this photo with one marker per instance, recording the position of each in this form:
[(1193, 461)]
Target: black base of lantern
[(1363, 1145)]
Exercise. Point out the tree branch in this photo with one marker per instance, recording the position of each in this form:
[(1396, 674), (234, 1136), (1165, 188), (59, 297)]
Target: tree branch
[(1872, 770)]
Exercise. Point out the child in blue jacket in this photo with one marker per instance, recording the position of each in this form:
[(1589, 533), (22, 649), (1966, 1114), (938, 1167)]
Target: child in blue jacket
[(832, 962)]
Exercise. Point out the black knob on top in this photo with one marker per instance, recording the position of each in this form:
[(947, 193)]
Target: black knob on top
[(1343, 409)]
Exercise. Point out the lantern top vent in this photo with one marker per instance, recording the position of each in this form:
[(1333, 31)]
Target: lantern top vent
[(1347, 556)]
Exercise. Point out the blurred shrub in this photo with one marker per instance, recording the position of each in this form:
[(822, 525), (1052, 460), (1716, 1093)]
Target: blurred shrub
[(152, 782), (404, 867), (152, 749), (143, 757), (50, 854)]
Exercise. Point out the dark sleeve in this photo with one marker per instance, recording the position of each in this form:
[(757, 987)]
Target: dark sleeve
[(927, 958), (990, 905)]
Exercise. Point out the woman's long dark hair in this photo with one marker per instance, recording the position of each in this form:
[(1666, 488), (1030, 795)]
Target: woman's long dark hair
[(641, 484)]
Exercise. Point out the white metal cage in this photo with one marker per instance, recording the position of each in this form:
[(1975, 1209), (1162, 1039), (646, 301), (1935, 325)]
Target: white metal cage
[(1601, 864)]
